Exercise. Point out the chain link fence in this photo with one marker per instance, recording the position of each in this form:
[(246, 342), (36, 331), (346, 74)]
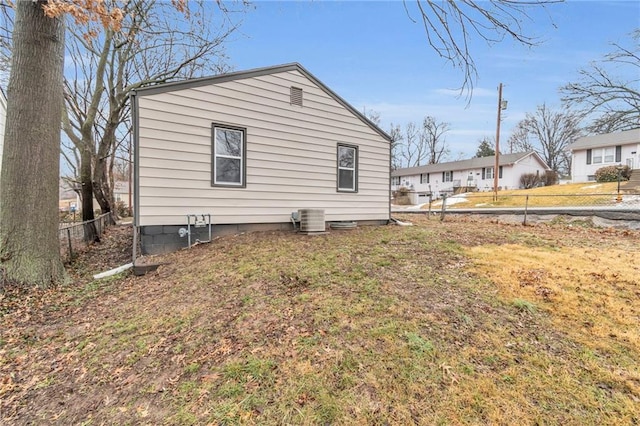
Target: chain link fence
[(73, 237), (622, 206), (486, 200)]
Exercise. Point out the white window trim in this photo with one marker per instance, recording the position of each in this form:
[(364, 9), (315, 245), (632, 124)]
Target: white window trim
[(354, 188), (215, 155), (489, 172)]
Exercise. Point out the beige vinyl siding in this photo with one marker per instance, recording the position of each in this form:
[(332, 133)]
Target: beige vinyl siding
[(291, 154)]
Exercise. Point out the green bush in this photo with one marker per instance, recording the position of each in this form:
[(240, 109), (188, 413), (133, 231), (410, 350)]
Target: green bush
[(610, 174)]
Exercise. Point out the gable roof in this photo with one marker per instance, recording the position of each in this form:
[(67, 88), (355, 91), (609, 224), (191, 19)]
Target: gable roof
[(472, 163), (607, 139), (257, 72)]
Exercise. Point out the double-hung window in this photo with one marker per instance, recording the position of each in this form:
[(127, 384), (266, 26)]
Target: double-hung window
[(612, 154), (597, 156), (424, 178), (347, 168), (228, 156), (447, 176), (609, 154), (488, 173)]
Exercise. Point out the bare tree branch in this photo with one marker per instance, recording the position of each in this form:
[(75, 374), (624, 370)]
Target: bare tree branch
[(450, 25), (600, 93), (156, 44)]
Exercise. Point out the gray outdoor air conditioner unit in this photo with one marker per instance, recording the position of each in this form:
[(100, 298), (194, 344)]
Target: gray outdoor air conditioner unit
[(311, 220)]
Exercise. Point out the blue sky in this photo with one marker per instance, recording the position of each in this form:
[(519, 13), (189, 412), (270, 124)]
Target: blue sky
[(375, 57)]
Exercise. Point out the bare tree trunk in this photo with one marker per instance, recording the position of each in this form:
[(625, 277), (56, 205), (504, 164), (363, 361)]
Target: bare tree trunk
[(29, 246), (86, 190), (102, 187)]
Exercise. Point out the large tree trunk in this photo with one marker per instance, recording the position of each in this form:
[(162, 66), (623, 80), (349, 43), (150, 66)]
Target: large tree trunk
[(90, 230), (29, 246), (102, 188)]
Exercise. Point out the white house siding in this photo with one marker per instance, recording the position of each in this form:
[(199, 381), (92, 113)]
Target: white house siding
[(628, 141), (583, 172), (525, 165), (468, 173), (290, 154)]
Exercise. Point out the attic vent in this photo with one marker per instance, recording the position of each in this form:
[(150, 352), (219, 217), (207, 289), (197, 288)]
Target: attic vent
[(296, 96)]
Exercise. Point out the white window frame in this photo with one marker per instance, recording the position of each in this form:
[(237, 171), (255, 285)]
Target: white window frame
[(395, 180), (215, 156), (354, 169), (597, 155), (609, 155), (424, 177), (489, 172), (448, 176)]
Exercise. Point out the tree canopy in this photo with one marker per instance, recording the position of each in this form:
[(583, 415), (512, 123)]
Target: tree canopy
[(548, 132), (485, 148)]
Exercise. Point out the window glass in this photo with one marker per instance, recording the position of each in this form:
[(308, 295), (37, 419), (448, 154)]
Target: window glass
[(609, 155), (346, 156), (488, 173), (228, 170), (347, 168), (228, 152), (228, 142), (597, 156)]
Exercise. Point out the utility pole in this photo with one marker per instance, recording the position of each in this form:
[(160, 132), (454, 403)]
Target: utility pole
[(501, 105)]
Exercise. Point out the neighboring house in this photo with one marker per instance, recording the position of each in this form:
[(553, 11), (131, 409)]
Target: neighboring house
[(122, 192), (590, 153), (3, 123), (475, 174), (69, 199), (249, 148)]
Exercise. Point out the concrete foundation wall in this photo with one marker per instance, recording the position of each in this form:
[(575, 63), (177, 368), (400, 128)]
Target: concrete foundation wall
[(159, 239)]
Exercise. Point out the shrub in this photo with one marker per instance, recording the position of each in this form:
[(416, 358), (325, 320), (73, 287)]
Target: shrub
[(122, 210), (529, 180), (403, 190), (550, 178), (610, 174)]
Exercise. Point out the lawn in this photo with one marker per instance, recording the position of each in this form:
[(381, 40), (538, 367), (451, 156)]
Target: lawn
[(457, 322), (566, 195)]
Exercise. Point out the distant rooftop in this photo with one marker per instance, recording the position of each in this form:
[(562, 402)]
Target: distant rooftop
[(607, 139), (472, 163)]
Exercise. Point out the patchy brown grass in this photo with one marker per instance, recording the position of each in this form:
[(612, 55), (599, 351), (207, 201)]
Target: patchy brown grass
[(456, 322), (575, 194)]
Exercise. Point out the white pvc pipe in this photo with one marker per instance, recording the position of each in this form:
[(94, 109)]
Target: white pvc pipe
[(113, 271)]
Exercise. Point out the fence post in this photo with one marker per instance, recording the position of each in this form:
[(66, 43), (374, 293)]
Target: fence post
[(70, 246), (526, 205), (430, 201), (444, 205)]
